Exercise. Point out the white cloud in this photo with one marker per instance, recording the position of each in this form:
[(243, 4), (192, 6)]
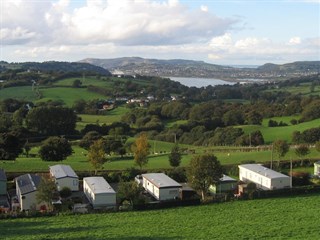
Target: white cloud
[(204, 8), (263, 49), (125, 22), (294, 41)]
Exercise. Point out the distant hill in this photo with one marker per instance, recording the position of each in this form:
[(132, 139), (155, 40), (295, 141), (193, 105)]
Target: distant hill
[(66, 67), (155, 67), (190, 68), (312, 66)]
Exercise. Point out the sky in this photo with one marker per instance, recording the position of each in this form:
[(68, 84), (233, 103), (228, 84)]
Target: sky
[(226, 32)]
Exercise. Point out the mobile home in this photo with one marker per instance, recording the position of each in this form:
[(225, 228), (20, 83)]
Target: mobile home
[(263, 177), (161, 186), (99, 192), (64, 176)]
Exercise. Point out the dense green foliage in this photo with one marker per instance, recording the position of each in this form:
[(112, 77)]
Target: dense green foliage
[(55, 149), (204, 171), (51, 120), (10, 146), (279, 218)]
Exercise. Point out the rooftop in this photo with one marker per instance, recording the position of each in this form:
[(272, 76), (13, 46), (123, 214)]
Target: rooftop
[(226, 178), (161, 180), (258, 168), (28, 183), (3, 176), (98, 185), (62, 171)]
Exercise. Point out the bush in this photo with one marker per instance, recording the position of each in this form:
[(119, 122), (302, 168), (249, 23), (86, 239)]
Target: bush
[(65, 192)]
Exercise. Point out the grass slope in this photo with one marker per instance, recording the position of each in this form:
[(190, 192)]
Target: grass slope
[(282, 218), (68, 95), (79, 162), (271, 134), (21, 93)]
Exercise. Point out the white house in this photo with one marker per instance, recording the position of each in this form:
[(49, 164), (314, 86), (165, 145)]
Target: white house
[(26, 189), (263, 177), (161, 186), (317, 168), (99, 192), (64, 176)]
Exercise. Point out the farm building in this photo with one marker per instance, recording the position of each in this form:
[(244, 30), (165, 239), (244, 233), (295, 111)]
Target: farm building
[(64, 176), (263, 177), (99, 192), (225, 184), (26, 189), (3, 182), (317, 168), (161, 186)]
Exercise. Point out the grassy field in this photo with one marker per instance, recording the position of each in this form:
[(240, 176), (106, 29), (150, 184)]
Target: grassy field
[(21, 93), (108, 117), (303, 89), (68, 95), (78, 161), (285, 133), (279, 218)]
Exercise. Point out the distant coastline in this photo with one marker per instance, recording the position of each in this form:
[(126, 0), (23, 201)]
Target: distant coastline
[(201, 82)]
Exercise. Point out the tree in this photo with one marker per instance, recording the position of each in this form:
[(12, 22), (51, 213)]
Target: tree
[(45, 191), (65, 192), (204, 171), (89, 138), (10, 147), (76, 83), (140, 150), (175, 156), (129, 191), (301, 151), (51, 120), (96, 155), (55, 149), (281, 147)]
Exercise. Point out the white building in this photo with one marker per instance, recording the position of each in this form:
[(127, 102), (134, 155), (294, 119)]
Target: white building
[(99, 192), (64, 176), (263, 177), (161, 186), (26, 189), (317, 168)]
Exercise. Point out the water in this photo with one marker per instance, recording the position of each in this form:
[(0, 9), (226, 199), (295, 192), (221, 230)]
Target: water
[(200, 82)]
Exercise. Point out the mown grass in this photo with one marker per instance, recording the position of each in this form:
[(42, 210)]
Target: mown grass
[(108, 117), (303, 89), (279, 218), (68, 95), (270, 134), (85, 81), (20, 93), (158, 160)]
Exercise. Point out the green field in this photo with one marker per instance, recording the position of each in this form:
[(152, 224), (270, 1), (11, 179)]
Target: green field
[(68, 95), (108, 117), (303, 89), (279, 218), (78, 161), (270, 134), (21, 93)]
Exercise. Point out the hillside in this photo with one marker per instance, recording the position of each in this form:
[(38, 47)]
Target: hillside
[(66, 67), (155, 67), (311, 66), (189, 68)]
